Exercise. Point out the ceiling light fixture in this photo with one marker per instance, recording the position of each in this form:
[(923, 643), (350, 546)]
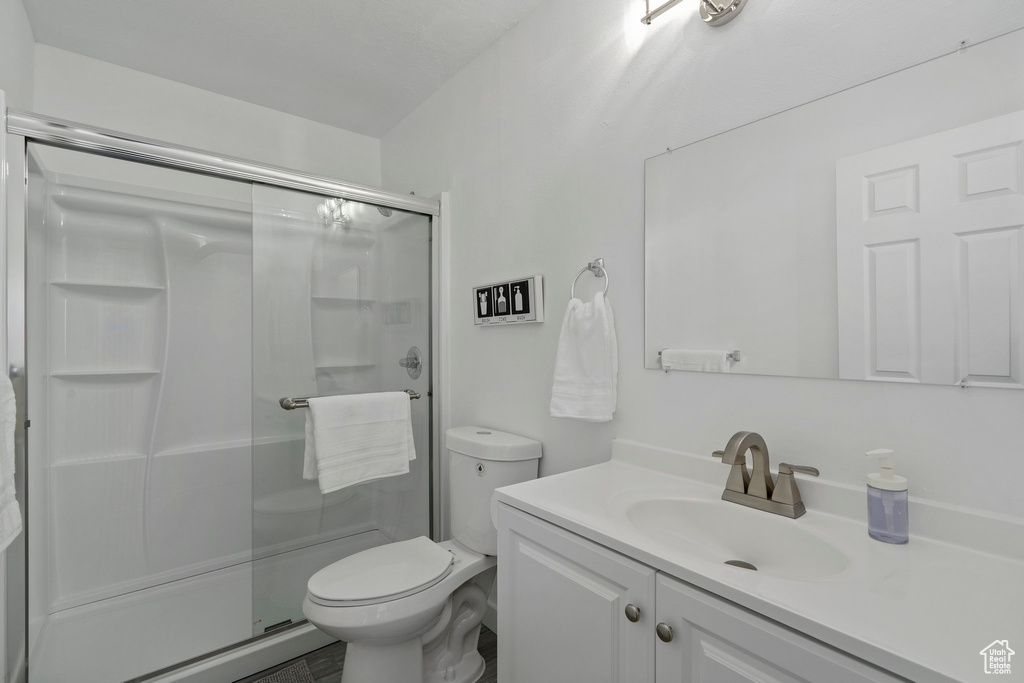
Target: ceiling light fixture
[(712, 13)]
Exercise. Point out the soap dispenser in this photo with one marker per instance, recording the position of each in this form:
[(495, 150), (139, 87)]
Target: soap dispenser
[(887, 501)]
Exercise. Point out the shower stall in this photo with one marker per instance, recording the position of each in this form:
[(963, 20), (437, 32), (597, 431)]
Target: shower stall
[(168, 308)]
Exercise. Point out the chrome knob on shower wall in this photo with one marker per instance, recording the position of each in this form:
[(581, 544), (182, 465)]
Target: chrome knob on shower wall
[(412, 363)]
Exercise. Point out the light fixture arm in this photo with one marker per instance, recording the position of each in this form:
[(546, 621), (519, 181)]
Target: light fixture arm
[(712, 13)]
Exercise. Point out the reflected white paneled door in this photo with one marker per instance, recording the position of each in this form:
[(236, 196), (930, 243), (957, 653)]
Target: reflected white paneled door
[(929, 239)]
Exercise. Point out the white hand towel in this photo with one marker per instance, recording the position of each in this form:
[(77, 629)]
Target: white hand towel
[(701, 361), (358, 438), (586, 362), (10, 513)]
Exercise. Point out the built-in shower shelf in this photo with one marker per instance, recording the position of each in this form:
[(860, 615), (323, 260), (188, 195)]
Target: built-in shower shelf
[(354, 238), (276, 439), (346, 366), (107, 287), (125, 210), (342, 301), (237, 444), (102, 374), (362, 536), (71, 462)]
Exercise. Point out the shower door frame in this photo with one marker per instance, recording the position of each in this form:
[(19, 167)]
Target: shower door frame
[(20, 128)]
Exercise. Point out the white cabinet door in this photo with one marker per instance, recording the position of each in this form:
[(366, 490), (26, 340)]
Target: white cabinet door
[(714, 641), (930, 254), (562, 607)]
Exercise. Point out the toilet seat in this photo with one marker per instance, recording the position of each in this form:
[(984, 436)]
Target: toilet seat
[(381, 574)]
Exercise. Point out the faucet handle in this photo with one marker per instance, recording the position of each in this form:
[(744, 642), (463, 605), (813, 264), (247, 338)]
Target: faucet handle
[(786, 491), (718, 454), (786, 468)]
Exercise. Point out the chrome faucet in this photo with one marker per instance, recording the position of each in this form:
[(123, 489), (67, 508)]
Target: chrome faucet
[(755, 488)]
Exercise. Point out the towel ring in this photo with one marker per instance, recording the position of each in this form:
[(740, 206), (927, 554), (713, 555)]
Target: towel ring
[(597, 268)]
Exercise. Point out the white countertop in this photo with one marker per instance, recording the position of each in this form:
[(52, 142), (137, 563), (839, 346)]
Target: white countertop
[(923, 610)]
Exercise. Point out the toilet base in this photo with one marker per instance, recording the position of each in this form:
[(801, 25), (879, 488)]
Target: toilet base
[(469, 670), (404, 663), (452, 657), (395, 663)]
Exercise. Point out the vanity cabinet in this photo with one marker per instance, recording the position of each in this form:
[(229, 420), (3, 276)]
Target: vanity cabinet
[(716, 641), (562, 607), (565, 615)]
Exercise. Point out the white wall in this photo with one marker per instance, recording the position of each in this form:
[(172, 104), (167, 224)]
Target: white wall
[(16, 54), (542, 141), (85, 90)]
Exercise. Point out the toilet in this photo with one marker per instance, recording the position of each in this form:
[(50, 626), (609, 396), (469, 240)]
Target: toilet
[(410, 611)]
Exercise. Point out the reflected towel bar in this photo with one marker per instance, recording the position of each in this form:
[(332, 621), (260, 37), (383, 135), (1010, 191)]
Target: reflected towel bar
[(734, 356), (293, 403)]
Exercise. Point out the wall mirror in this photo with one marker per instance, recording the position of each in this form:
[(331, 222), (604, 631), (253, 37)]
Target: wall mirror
[(874, 234)]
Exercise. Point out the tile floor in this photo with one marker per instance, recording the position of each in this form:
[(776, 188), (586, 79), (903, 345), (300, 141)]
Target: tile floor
[(326, 663)]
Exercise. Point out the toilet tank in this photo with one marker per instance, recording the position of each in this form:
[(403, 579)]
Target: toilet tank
[(479, 461)]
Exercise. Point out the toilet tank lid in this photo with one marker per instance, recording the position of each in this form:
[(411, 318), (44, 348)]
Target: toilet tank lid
[(490, 444)]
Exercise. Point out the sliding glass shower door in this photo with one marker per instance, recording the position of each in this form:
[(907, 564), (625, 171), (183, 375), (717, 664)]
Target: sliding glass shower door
[(167, 314), (139, 299), (341, 305)]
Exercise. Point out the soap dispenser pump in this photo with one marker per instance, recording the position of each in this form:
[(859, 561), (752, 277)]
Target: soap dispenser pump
[(887, 501)]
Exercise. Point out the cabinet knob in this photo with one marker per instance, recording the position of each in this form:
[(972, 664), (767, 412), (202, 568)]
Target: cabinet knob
[(633, 613), (664, 632)]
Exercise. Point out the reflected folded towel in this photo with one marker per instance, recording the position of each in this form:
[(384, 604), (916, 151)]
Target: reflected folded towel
[(10, 513), (586, 362), (358, 438), (701, 361)]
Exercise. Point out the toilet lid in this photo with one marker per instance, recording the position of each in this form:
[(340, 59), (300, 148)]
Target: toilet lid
[(387, 572)]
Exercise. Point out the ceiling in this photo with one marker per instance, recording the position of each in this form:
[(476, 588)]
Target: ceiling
[(361, 65)]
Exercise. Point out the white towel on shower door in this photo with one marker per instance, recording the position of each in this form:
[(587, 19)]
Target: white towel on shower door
[(586, 362), (10, 513), (358, 438)]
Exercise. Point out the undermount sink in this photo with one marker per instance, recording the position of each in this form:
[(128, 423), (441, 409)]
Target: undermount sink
[(719, 531)]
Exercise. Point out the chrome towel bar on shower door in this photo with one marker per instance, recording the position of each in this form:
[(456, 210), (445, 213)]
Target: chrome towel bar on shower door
[(293, 403)]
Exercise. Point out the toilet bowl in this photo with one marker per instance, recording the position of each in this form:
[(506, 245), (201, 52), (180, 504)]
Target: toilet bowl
[(411, 611)]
